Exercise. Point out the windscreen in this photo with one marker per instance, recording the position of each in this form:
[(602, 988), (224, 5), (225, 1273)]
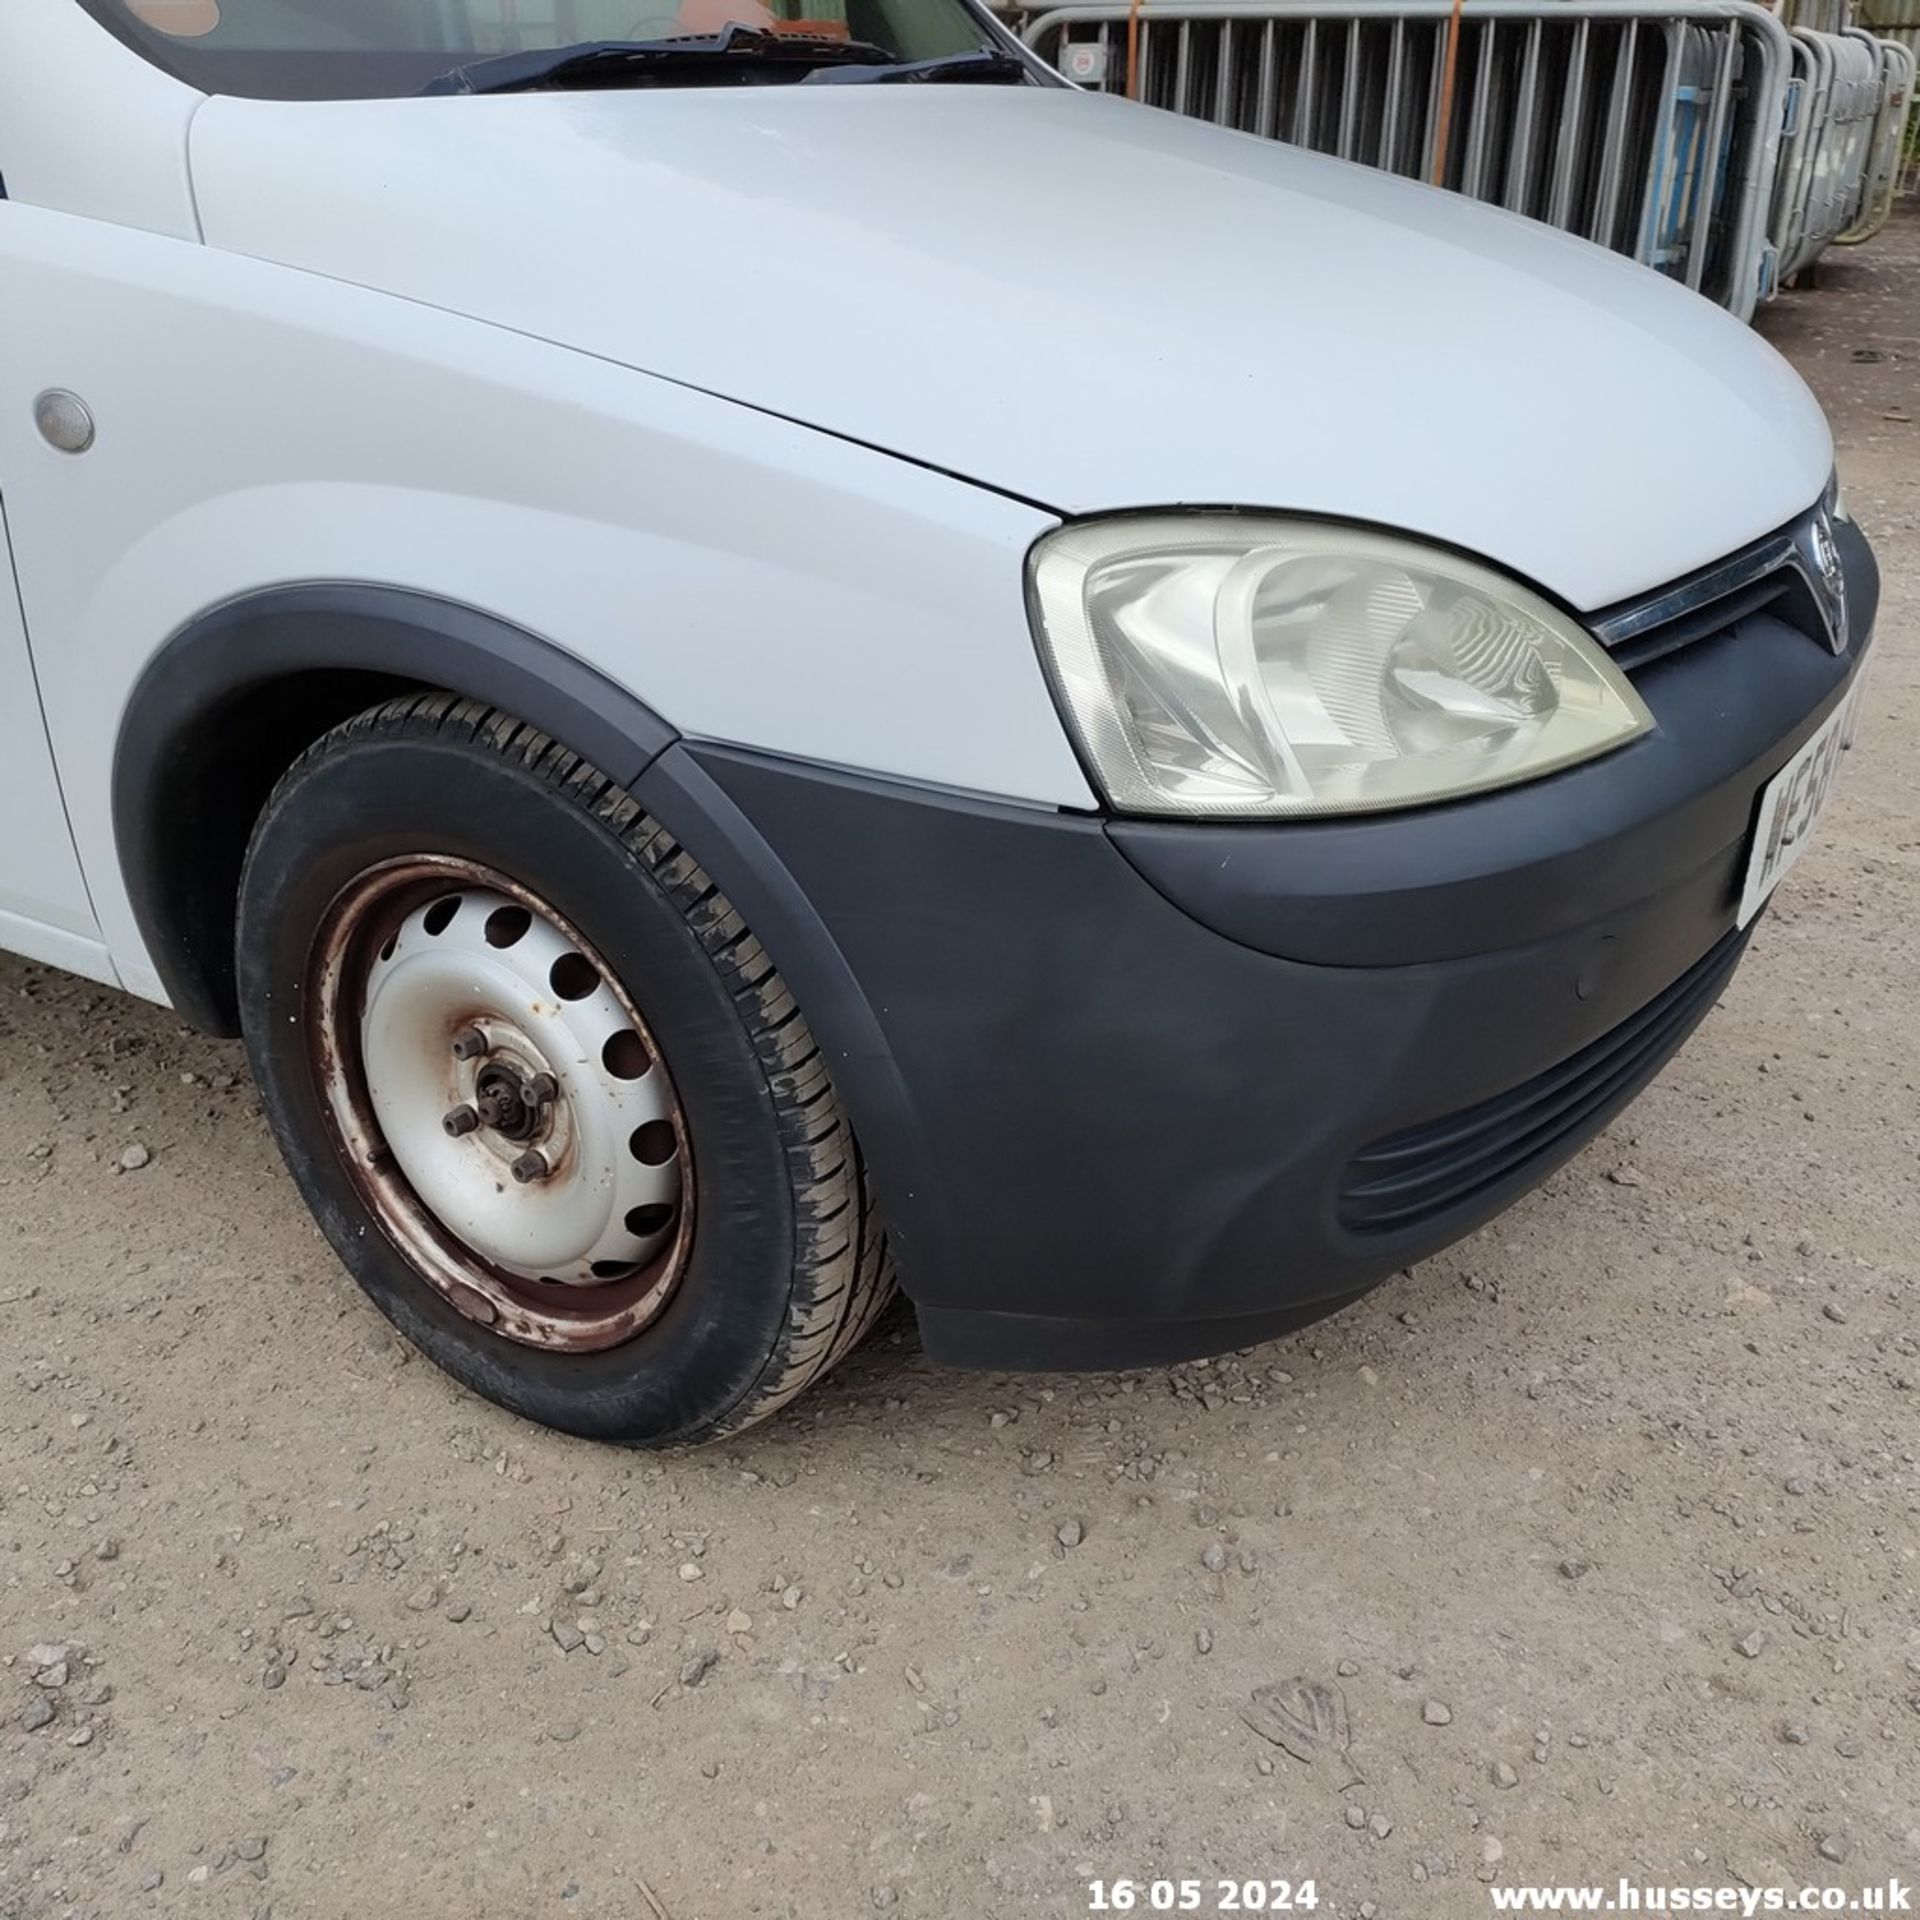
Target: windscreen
[(347, 49)]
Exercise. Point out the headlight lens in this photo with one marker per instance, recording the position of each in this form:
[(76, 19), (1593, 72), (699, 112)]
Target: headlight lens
[(1228, 664)]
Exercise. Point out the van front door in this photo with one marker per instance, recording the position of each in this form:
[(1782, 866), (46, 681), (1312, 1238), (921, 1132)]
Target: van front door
[(44, 911)]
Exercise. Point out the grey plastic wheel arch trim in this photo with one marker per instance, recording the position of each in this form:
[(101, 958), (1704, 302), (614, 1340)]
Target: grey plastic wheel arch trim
[(246, 644), (243, 646)]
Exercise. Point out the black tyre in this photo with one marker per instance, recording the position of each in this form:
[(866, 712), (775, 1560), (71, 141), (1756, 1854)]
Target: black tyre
[(544, 1092)]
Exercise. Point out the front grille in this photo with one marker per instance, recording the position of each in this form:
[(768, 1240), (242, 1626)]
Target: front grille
[(1765, 577), (1411, 1178)]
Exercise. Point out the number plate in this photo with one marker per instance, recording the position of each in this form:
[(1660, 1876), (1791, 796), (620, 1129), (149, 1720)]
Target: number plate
[(1791, 802)]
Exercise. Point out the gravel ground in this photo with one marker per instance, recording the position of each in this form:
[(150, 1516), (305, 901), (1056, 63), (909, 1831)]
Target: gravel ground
[(1596, 1537)]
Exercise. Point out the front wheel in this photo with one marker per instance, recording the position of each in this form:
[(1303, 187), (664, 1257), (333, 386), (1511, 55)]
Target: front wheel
[(544, 1092)]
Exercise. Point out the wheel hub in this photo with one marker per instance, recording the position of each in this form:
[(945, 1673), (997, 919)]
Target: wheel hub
[(511, 1104)]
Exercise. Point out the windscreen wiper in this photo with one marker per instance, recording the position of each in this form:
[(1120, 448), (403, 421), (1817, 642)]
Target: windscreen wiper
[(984, 65), (739, 54)]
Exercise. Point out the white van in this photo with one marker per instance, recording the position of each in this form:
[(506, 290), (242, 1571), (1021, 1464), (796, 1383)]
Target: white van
[(756, 644)]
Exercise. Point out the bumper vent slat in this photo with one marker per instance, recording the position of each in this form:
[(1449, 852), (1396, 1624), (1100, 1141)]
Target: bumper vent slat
[(1411, 1178)]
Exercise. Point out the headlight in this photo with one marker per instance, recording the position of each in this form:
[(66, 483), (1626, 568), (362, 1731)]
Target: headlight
[(1227, 664)]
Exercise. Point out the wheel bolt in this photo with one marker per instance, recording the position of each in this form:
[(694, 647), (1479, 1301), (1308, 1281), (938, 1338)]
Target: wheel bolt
[(532, 1165), (460, 1120), (469, 1044), (542, 1088)]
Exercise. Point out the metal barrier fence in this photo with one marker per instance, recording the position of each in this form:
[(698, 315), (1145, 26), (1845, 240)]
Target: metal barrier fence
[(1698, 136), (1889, 20), (1892, 139), (1899, 20), (1894, 165), (1832, 112)]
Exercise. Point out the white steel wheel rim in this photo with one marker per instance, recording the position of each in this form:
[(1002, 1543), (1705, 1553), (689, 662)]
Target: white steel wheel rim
[(501, 1104)]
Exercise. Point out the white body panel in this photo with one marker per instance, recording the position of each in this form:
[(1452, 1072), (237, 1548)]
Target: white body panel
[(87, 126), (751, 580), (44, 909), (1082, 302)]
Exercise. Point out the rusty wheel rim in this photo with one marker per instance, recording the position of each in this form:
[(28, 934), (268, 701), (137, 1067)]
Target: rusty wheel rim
[(500, 1104)]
